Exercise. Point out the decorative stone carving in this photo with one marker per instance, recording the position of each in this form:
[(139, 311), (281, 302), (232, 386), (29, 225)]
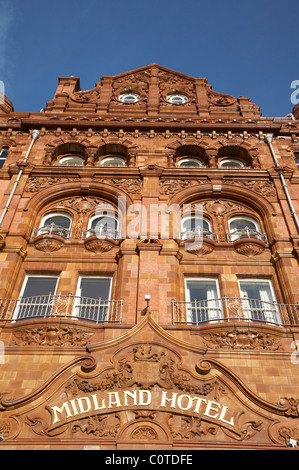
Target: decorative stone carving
[(131, 186), (99, 246), (286, 433), (48, 243), (88, 96), (131, 83), (146, 368), (51, 336), (292, 405), (249, 247), (81, 205), (144, 433), (219, 99), (37, 184), (202, 248), (266, 188), (190, 427), (242, 338), (170, 83), (169, 187), (220, 207), (99, 426)]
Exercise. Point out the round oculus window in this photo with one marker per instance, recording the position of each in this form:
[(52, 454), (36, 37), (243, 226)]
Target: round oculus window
[(129, 97), (177, 98)]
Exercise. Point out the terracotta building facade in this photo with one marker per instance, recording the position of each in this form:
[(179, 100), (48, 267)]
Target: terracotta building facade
[(149, 246)]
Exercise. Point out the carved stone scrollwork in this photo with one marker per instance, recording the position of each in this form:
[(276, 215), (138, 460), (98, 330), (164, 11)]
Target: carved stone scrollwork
[(201, 248), (88, 96), (48, 243), (131, 186), (242, 339), (144, 433), (220, 99), (265, 188), (100, 245), (249, 247), (37, 184), (51, 336)]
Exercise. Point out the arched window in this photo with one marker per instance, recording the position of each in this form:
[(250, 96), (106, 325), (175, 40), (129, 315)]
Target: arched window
[(233, 156), (3, 155), (189, 162), (244, 227), (56, 224), (113, 161), (113, 155), (103, 225), (71, 160), (196, 226), (190, 156), (129, 97), (231, 163)]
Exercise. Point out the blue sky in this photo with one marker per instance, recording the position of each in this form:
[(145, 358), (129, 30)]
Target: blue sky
[(243, 48)]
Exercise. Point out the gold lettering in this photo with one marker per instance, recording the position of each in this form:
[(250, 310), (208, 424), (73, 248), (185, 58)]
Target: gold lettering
[(96, 404), (148, 398), (56, 410), (199, 401), (221, 418), (132, 395), (75, 411), (172, 400), (81, 406), (210, 408), (180, 402), (116, 401)]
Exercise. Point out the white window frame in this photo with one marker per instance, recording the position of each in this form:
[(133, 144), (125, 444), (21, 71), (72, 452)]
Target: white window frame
[(242, 217), (196, 234), (191, 160), (217, 308), (67, 157), (246, 306), (105, 305), (53, 214), (173, 96), (98, 216), (234, 160), (30, 276), (123, 97), (3, 150), (107, 159)]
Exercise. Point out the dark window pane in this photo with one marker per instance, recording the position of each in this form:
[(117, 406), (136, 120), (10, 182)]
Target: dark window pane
[(39, 286), (58, 220), (95, 288)]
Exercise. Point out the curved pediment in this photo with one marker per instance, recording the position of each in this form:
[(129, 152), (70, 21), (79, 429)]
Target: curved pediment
[(161, 389)]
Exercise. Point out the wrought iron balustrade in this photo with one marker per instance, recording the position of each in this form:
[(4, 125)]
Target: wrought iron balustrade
[(101, 231), (198, 233), (227, 309), (52, 229), (62, 306), (246, 233)]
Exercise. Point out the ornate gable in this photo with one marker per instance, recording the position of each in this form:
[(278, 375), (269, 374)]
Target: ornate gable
[(154, 90)]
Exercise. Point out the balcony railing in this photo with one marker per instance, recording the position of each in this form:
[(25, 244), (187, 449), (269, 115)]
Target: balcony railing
[(101, 231), (62, 306), (52, 229), (246, 233), (198, 233), (227, 309)]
